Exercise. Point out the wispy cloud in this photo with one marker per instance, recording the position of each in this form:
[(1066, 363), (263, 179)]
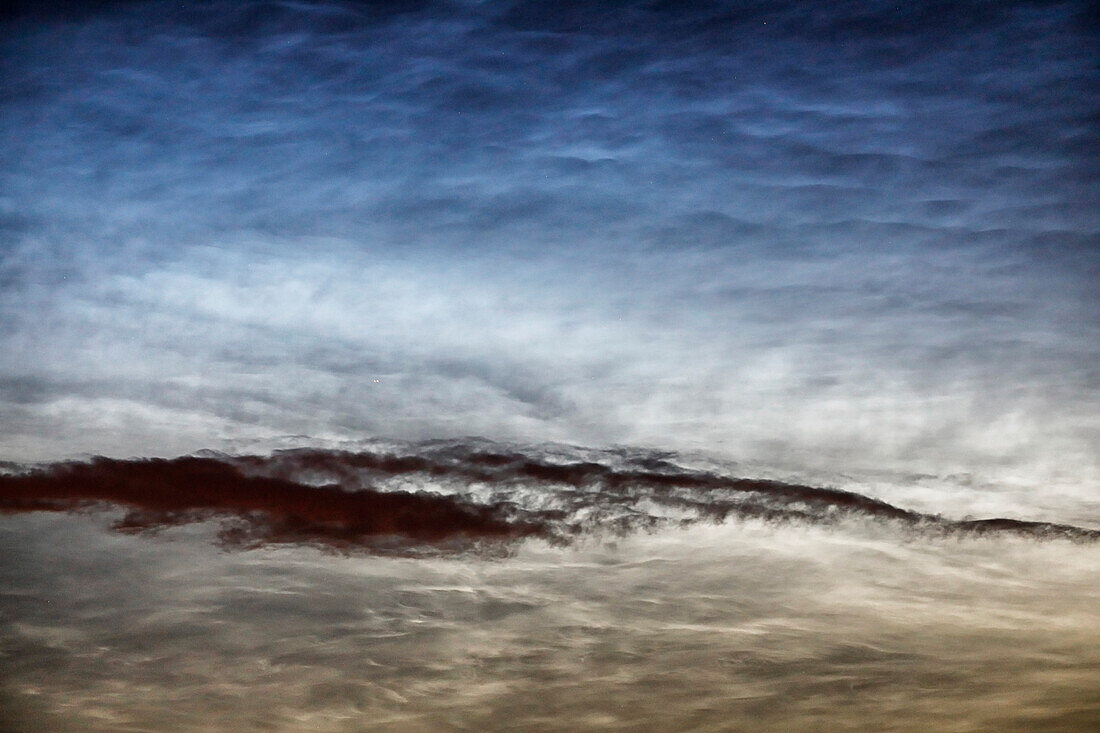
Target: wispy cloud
[(860, 238)]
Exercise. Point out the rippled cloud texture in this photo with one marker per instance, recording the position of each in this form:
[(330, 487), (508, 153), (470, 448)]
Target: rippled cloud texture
[(857, 237), (816, 284)]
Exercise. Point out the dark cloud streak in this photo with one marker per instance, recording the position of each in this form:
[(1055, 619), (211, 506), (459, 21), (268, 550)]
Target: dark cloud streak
[(331, 498), (160, 493)]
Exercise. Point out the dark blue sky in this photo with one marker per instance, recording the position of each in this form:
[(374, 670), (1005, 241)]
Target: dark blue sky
[(834, 236)]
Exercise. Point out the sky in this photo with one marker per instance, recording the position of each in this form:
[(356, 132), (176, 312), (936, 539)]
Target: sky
[(483, 365), (820, 242)]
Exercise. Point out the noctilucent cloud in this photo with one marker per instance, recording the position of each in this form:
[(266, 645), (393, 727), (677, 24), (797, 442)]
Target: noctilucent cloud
[(460, 365), (855, 240)]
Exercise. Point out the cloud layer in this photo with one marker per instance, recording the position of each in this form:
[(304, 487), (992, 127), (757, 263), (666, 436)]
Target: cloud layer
[(860, 238), (466, 495)]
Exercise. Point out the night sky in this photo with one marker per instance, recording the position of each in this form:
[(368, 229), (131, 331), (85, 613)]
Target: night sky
[(849, 245)]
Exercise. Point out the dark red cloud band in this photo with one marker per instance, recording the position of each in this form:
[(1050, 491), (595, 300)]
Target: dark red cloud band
[(348, 500)]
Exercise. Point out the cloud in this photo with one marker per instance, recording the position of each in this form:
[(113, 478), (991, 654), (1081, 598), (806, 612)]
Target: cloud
[(478, 492), (159, 493), (853, 239)]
